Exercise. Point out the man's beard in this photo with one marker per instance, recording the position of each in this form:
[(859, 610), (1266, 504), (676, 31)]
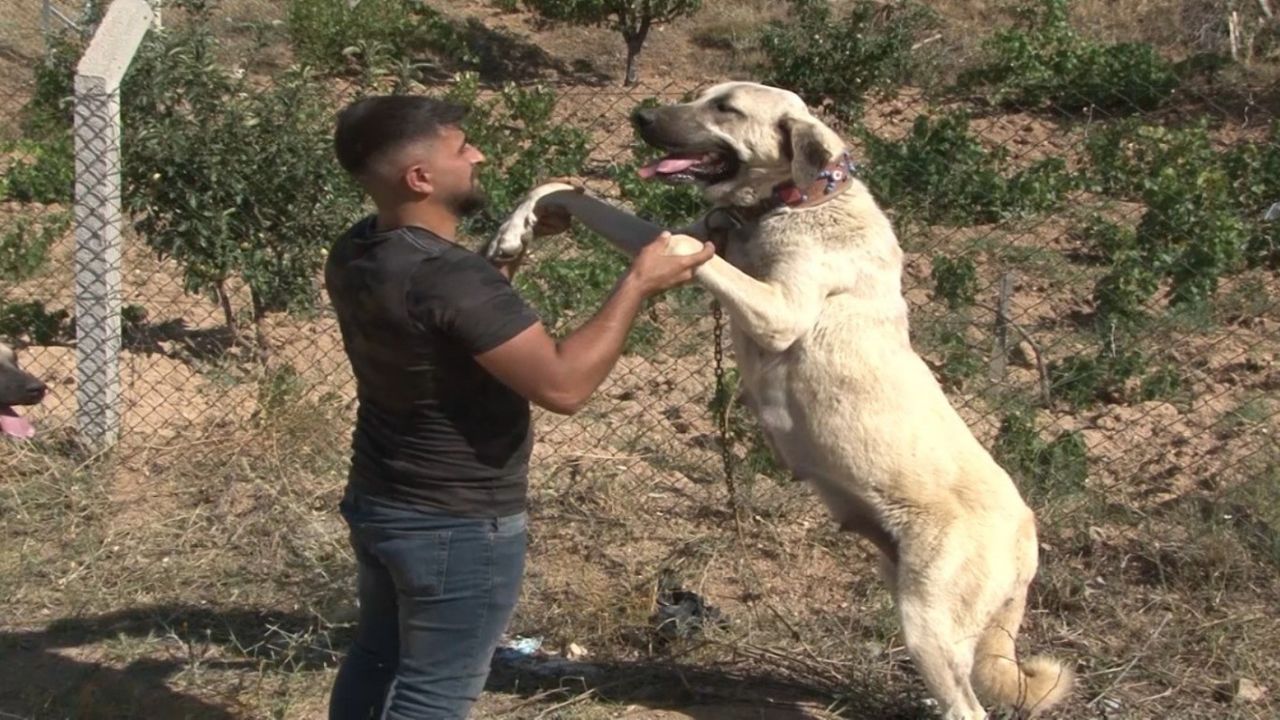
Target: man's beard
[(472, 202)]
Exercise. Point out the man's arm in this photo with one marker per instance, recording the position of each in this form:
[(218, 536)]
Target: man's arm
[(561, 376)]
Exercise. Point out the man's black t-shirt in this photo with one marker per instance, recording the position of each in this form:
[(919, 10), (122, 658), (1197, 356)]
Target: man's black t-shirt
[(433, 427)]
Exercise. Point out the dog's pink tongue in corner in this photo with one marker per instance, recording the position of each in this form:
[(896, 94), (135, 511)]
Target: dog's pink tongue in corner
[(668, 165), (14, 425)]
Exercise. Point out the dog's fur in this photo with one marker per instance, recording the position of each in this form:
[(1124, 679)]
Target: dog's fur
[(17, 387), (819, 327)]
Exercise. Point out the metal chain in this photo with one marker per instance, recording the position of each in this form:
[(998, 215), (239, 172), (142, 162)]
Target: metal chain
[(722, 392)]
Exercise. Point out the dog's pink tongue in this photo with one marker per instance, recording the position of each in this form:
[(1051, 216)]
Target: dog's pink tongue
[(668, 165), (14, 425)]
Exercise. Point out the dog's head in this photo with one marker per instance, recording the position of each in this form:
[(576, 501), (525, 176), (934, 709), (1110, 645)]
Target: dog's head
[(737, 141), (17, 387)]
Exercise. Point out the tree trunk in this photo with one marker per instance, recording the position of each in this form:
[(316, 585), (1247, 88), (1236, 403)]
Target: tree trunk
[(633, 50), (228, 314), (260, 333), (635, 42)]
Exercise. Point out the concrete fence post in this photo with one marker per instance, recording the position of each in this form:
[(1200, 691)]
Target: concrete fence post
[(98, 218)]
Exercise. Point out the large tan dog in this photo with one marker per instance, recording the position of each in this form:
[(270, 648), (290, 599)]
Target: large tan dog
[(811, 284)]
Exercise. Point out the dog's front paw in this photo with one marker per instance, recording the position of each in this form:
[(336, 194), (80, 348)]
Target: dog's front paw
[(517, 231)]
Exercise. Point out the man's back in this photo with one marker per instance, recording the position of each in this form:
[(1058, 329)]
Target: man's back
[(434, 428)]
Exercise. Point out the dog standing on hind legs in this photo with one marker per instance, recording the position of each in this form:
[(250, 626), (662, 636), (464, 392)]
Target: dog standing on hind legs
[(811, 283)]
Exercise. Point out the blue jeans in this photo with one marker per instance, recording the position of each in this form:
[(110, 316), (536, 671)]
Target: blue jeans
[(436, 593)]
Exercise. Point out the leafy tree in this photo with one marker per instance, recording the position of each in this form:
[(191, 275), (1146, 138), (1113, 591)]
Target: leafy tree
[(228, 179), (633, 19)]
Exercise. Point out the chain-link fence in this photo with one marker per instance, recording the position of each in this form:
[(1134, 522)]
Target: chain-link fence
[(1089, 266)]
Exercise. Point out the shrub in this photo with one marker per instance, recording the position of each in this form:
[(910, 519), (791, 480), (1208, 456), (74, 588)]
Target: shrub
[(1125, 156), (1191, 232), (955, 280), (48, 113), (40, 171), (1113, 374), (1082, 381), (522, 144), (1254, 173), (941, 173), (25, 244), (1107, 241), (839, 61), (1045, 62), (1203, 217), (35, 322), (343, 37)]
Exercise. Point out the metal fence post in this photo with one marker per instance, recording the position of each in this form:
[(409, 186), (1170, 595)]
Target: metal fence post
[(98, 218)]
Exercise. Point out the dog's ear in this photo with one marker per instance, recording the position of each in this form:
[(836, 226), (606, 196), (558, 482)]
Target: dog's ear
[(809, 146)]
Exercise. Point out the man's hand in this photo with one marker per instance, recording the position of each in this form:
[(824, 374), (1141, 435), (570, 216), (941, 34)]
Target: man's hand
[(668, 261)]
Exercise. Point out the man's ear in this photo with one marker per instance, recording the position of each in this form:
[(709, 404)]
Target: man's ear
[(809, 145), (418, 180)]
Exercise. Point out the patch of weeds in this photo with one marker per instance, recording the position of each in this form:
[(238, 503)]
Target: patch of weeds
[(840, 60), (943, 338), (24, 246), (35, 322), (955, 280), (1045, 470), (942, 173), (40, 171), (1082, 381), (1204, 217), (1044, 61), (342, 37)]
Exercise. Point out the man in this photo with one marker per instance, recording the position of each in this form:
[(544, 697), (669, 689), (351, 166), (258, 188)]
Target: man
[(447, 358)]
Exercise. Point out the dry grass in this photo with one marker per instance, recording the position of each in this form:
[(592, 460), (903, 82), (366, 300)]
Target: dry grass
[(212, 579)]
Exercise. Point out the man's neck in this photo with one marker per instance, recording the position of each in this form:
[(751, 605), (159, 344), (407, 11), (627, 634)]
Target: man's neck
[(427, 216)]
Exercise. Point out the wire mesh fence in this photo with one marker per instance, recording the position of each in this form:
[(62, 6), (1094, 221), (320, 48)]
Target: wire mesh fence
[(1090, 271)]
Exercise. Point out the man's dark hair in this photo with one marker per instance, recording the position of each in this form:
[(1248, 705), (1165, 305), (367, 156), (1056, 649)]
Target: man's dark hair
[(373, 126)]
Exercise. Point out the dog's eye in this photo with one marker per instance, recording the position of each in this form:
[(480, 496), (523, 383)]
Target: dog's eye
[(722, 105)]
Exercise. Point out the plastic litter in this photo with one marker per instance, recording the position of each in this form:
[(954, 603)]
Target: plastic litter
[(684, 614)]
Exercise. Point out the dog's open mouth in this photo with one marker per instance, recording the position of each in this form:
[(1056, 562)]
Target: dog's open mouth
[(708, 167), (14, 425)]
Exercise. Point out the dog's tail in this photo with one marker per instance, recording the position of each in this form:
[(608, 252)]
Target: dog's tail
[(1031, 686)]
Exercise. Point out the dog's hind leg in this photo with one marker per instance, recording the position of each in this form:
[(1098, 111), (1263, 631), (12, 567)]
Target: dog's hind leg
[(938, 584), (1030, 685), (943, 654)]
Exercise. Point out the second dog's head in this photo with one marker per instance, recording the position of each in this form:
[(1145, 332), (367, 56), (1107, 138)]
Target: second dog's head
[(17, 387), (737, 141)]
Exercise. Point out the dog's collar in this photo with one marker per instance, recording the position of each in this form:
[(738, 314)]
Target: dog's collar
[(831, 181)]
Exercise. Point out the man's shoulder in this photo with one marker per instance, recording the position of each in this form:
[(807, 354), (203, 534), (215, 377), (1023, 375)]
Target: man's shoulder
[(447, 260)]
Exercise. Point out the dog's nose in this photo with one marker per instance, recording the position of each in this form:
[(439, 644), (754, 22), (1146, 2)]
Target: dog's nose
[(643, 117), (37, 390)]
